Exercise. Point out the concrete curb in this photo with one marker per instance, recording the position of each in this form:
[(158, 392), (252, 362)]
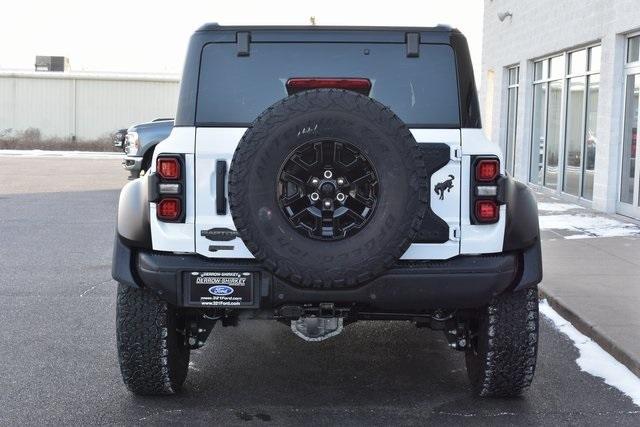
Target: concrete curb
[(592, 331)]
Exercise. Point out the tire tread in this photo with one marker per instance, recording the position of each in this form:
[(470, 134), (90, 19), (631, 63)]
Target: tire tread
[(151, 361), (508, 343)]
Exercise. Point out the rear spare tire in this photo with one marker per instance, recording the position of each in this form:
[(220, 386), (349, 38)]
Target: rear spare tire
[(327, 188)]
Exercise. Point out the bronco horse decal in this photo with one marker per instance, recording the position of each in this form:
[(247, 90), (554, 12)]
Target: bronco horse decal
[(444, 185)]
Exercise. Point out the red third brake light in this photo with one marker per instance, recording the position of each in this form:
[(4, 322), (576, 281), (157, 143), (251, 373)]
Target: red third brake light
[(487, 170), (168, 209), (298, 84), (487, 211), (168, 167)]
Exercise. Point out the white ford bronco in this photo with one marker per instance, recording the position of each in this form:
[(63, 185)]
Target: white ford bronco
[(319, 176)]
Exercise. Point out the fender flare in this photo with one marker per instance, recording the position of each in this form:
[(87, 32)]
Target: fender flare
[(522, 229), (133, 225), (133, 230)]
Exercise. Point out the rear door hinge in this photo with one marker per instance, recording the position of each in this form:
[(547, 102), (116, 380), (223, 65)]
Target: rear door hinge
[(456, 152), (454, 233), (413, 44), (243, 41)]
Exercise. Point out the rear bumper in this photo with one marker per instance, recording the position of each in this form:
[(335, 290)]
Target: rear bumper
[(408, 287)]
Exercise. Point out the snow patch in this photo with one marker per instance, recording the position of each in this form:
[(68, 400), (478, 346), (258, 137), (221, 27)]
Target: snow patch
[(593, 359), (557, 207), (588, 226), (51, 153)]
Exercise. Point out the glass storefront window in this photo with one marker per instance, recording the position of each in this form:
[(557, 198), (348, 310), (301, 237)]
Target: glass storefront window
[(591, 136), (629, 146), (574, 133), (541, 70), (594, 58), (538, 132), (564, 123), (511, 128), (513, 75), (633, 49), (578, 62), (512, 114), (553, 134), (556, 67)]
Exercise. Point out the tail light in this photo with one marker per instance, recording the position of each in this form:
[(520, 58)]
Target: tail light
[(484, 185), (169, 209), (487, 211), (167, 186), (168, 168), (487, 170), (298, 84)]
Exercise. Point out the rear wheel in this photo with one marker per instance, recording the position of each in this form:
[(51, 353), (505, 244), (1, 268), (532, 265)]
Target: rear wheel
[(502, 357), (152, 350)]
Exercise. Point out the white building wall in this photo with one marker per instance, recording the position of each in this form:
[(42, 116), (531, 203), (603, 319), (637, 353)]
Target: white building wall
[(88, 107), (544, 27)]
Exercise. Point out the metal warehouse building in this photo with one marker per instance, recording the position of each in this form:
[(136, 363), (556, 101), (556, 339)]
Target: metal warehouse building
[(560, 89), (80, 105)]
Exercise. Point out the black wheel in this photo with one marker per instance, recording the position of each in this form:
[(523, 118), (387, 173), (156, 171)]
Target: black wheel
[(501, 360), (152, 350), (327, 188)]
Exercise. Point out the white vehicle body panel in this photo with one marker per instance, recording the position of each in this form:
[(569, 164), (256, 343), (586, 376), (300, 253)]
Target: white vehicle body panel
[(171, 236), (203, 147), (482, 238), (214, 144)]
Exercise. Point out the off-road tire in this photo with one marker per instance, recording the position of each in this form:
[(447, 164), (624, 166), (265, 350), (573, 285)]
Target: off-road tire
[(502, 358), (370, 127), (153, 355)]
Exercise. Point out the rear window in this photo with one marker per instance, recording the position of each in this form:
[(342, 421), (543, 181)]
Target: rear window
[(234, 90)]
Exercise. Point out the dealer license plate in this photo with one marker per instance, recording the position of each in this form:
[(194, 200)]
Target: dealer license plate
[(221, 289)]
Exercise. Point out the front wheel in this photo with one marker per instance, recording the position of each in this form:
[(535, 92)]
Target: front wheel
[(152, 350), (502, 357)]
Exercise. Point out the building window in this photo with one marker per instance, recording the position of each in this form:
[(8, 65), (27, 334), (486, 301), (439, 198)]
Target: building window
[(512, 117), (583, 87), (633, 49), (570, 80), (629, 180), (547, 104)]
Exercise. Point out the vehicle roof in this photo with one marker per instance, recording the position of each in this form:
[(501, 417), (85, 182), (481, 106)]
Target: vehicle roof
[(314, 33), (214, 26)]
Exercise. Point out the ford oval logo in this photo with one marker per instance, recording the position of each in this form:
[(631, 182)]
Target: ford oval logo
[(221, 290)]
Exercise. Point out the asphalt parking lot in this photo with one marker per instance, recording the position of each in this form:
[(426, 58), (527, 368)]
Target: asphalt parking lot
[(58, 357)]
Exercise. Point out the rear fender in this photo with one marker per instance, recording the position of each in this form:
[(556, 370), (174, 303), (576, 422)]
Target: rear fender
[(133, 214), (522, 230)]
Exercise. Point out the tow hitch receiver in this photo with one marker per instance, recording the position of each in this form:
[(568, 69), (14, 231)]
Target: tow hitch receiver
[(315, 323), (317, 328)]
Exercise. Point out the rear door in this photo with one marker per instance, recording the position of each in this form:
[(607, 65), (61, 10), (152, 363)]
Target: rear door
[(233, 90), (444, 194)]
